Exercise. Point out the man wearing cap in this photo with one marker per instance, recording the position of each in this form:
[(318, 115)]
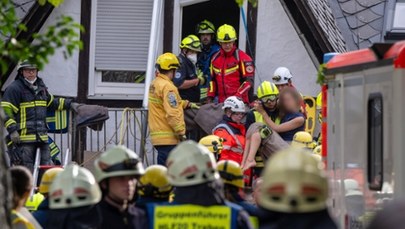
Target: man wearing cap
[(25, 103)]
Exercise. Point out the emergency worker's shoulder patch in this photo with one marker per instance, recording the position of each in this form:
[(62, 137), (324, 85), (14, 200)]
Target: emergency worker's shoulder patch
[(178, 75), (172, 99), (249, 66)]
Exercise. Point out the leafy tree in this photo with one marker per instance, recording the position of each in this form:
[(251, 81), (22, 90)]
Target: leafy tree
[(63, 34)]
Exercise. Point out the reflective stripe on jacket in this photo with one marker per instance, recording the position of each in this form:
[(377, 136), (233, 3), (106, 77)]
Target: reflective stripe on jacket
[(26, 109), (228, 72), (166, 116)]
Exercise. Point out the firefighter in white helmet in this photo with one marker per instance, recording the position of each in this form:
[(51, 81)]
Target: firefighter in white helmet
[(294, 192), (282, 78), (117, 171), (232, 130), (232, 176), (192, 171), (73, 198)]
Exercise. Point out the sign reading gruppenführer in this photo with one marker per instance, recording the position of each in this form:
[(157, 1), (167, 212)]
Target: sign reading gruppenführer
[(192, 217)]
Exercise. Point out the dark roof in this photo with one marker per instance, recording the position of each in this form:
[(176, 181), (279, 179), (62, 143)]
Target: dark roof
[(323, 13), (360, 21)]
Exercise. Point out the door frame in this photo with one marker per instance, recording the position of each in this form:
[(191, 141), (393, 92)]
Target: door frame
[(178, 21)]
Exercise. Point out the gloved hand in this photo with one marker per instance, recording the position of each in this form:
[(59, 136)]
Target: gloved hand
[(193, 106), (74, 106), (15, 137), (201, 77), (182, 137)]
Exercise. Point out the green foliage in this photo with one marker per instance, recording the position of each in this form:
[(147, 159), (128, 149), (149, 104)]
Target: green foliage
[(55, 3), (321, 74), (64, 33), (253, 2)]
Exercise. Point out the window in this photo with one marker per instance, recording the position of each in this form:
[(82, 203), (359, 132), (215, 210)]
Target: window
[(396, 30), (119, 48), (375, 141)]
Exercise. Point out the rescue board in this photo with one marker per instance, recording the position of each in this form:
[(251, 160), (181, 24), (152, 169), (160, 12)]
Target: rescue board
[(311, 114)]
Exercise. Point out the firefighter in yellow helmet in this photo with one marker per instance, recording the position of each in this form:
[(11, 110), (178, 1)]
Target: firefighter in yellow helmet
[(41, 214), (213, 144), (73, 198), (294, 192), (264, 108), (153, 187), (191, 169), (304, 140), (206, 32), (166, 115), (232, 70), (232, 176), (118, 171), (188, 78)]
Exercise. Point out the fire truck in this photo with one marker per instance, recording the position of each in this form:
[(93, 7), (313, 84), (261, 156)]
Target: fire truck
[(363, 131)]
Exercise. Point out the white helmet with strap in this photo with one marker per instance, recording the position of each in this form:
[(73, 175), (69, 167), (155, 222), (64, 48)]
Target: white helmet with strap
[(235, 104), (190, 164), (281, 76), (74, 187)]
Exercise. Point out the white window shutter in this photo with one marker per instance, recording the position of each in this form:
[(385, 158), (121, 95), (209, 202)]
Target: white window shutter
[(122, 34)]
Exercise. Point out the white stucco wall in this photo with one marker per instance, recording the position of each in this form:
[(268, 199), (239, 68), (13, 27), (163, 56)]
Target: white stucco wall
[(278, 44), (60, 74)]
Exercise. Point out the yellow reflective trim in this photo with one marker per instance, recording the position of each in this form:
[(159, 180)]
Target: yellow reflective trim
[(243, 68), (29, 137), (155, 100), (254, 221), (61, 104), (211, 87), (10, 122), (8, 104), (229, 70), (50, 101), (37, 103), (178, 127), (192, 216), (216, 70), (23, 121), (162, 133), (50, 119)]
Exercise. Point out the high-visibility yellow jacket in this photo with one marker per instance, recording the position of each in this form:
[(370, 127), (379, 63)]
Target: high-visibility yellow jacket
[(166, 116)]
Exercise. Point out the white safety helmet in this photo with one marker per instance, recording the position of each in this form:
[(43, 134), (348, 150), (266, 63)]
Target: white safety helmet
[(117, 161), (281, 76), (352, 188), (294, 182), (74, 187), (235, 104), (191, 163)]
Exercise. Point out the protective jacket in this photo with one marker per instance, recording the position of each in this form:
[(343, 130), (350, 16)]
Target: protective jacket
[(187, 71), (204, 63), (232, 74), (131, 218), (234, 135), (166, 116), (254, 116), (26, 108)]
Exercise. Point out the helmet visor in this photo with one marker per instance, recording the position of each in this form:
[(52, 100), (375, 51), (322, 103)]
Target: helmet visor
[(129, 164), (278, 78)]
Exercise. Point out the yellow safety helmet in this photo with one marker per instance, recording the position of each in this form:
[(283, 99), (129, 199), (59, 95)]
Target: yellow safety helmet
[(191, 42), (231, 173), (154, 183), (226, 33), (267, 89), (319, 101), (47, 179), (294, 182), (213, 143), (318, 150), (167, 61), (303, 139), (205, 27), (34, 201)]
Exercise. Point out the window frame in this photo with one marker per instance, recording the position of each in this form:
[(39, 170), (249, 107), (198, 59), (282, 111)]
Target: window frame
[(374, 155), (393, 33), (107, 90)]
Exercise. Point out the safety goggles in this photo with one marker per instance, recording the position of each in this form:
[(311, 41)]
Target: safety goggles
[(279, 78), (128, 164), (269, 98)]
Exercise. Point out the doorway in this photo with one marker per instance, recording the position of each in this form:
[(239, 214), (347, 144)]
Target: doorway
[(189, 13)]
